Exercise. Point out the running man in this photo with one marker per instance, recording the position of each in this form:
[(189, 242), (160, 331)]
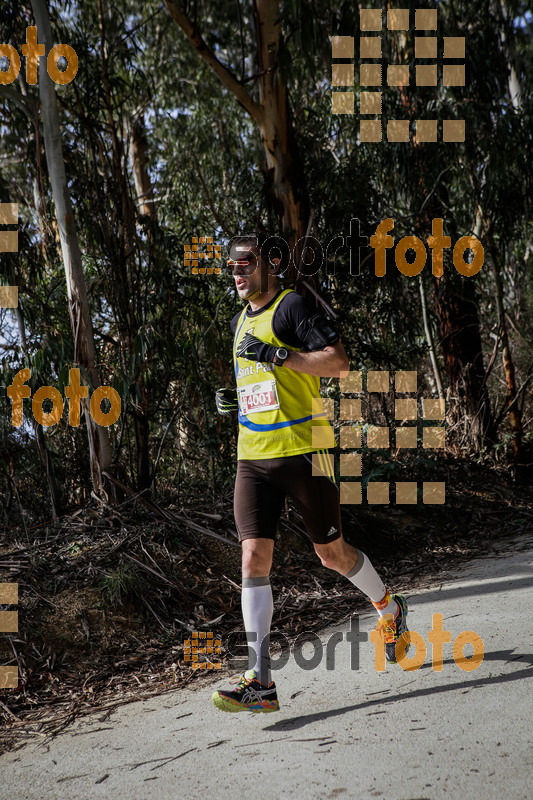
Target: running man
[(281, 348)]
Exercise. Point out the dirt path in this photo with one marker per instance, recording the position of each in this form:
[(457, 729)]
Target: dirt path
[(340, 732)]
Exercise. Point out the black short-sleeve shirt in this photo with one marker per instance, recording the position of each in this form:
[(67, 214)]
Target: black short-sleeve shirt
[(292, 320)]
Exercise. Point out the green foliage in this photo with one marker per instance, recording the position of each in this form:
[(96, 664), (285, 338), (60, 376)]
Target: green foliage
[(122, 584), (162, 334)]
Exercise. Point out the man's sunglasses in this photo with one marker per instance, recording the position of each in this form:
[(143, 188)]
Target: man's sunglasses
[(247, 263)]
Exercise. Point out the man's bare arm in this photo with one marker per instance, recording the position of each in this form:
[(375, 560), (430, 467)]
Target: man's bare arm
[(326, 363)]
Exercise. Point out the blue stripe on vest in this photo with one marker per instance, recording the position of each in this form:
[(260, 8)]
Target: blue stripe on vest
[(257, 426)]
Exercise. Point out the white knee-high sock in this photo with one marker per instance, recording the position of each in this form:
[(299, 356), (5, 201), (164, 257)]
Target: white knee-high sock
[(257, 608), (364, 576)]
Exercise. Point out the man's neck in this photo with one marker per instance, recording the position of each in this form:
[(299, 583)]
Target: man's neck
[(263, 299)]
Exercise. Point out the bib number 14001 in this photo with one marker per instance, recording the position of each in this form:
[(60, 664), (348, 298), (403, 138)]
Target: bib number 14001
[(256, 397)]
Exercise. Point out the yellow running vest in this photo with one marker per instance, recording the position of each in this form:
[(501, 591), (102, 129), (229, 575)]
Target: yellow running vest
[(275, 408)]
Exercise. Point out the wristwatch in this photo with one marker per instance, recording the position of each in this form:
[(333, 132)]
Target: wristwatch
[(281, 355)]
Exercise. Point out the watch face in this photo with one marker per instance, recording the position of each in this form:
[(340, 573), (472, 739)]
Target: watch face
[(282, 353)]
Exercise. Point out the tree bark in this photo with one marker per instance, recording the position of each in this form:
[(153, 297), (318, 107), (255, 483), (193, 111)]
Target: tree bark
[(84, 347), (507, 39), (458, 324), (429, 339), (141, 428), (515, 416), (459, 329), (143, 185)]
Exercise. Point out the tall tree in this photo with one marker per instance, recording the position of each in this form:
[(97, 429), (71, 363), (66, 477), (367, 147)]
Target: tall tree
[(272, 114), (84, 347)]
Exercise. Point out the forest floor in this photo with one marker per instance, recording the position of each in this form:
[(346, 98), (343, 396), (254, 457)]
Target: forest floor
[(108, 595)]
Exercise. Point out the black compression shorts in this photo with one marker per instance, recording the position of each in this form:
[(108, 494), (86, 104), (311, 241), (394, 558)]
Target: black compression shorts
[(261, 487)]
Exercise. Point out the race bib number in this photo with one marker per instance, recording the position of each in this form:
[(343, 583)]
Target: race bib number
[(256, 397)]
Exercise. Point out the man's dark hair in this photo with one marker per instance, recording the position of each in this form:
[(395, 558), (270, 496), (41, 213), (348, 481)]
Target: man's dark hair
[(269, 247)]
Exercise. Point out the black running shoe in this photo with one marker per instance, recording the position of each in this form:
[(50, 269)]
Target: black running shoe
[(250, 695), (394, 628)]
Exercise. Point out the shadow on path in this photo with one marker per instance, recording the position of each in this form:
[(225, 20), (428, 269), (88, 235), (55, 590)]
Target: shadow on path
[(507, 656), (477, 589)]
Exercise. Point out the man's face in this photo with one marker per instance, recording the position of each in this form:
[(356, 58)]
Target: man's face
[(246, 273)]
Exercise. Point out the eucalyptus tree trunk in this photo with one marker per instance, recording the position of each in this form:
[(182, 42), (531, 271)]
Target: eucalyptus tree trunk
[(456, 308), (139, 164), (515, 416), (84, 347), (145, 205), (44, 452), (272, 114), (127, 273), (507, 39), (277, 132)]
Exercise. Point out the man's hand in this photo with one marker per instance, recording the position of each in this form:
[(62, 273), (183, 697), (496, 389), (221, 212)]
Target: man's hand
[(226, 400), (254, 349)]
